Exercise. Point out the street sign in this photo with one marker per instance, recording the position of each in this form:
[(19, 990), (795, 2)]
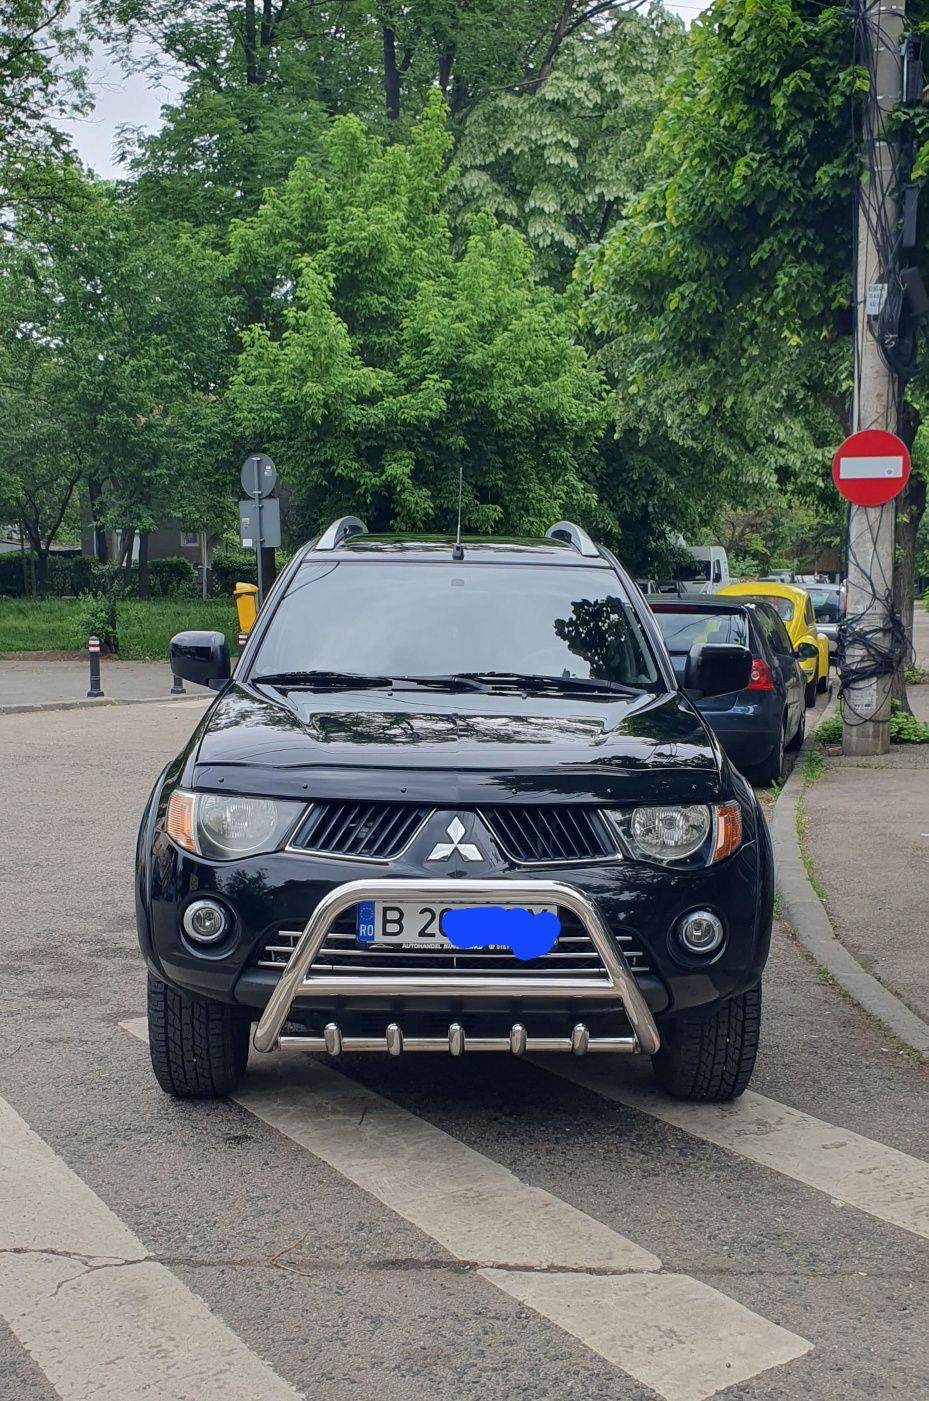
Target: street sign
[(258, 475), (871, 467), (260, 524)]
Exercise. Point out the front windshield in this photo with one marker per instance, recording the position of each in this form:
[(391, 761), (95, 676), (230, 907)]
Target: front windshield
[(693, 572), (401, 619)]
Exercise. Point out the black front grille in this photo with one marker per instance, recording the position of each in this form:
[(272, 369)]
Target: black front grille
[(375, 831), (540, 834)]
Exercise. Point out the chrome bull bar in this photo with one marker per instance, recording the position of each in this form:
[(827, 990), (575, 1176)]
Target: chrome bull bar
[(617, 986)]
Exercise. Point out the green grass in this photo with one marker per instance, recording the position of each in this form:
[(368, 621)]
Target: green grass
[(145, 629)]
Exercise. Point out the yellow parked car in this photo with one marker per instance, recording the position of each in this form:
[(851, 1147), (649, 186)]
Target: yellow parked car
[(793, 603)]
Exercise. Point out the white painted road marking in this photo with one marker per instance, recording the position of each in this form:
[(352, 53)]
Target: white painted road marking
[(103, 1322), (480, 1212), (876, 1179), (668, 1331)]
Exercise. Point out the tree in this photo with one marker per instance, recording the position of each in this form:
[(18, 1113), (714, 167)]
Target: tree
[(384, 364), (41, 77), (729, 283), (122, 329), (562, 159)]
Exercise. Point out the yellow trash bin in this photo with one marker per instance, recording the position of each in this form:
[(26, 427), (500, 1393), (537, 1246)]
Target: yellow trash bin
[(246, 605)]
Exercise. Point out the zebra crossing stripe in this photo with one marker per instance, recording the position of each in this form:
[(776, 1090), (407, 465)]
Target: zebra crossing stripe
[(572, 1269), (882, 1181), (100, 1318)]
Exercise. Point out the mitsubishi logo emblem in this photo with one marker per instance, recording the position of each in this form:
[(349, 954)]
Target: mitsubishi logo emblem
[(444, 851)]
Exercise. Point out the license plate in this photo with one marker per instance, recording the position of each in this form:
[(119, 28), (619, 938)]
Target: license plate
[(415, 925)]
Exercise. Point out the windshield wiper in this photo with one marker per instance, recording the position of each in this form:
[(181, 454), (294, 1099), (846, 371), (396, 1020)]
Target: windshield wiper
[(356, 680), (319, 680), (528, 681)]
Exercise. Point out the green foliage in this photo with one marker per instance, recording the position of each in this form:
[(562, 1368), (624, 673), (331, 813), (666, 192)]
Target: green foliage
[(97, 616), (145, 628), (562, 160), (385, 363), (171, 577), (230, 567), (41, 82), (719, 297), (904, 728)]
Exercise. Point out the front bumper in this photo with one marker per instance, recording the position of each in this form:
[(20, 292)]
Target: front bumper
[(614, 984)]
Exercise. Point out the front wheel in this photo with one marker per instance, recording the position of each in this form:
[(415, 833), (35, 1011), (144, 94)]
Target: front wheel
[(711, 1057), (199, 1049)]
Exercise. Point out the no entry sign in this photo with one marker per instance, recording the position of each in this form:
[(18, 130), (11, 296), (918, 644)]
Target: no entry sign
[(871, 467)]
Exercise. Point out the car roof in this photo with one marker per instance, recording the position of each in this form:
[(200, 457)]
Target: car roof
[(765, 588), (438, 548)]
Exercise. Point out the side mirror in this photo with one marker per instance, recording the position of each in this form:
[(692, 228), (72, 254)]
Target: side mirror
[(716, 668), (200, 657), (806, 652)]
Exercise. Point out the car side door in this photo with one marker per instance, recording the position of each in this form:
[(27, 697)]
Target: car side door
[(794, 680)]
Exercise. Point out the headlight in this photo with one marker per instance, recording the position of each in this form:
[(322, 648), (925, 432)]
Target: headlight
[(226, 825), (695, 835)]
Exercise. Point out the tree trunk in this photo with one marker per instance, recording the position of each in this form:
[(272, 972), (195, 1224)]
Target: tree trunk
[(101, 544), (125, 553), (250, 44), (40, 566), (145, 588), (391, 75)]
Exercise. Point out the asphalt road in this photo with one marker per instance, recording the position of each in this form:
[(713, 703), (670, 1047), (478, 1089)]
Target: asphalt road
[(418, 1229)]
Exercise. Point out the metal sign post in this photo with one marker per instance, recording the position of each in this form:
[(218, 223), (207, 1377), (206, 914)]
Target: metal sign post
[(260, 516)]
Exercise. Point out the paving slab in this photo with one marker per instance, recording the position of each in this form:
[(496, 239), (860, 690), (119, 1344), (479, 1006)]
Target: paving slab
[(868, 837), (51, 681)]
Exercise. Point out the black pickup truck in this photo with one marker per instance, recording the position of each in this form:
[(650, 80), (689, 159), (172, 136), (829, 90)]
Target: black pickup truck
[(454, 799)]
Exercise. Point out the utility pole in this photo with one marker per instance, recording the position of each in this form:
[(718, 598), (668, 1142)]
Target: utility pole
[(877, 392)]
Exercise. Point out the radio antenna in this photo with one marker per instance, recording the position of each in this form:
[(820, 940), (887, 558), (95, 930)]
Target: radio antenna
[(458, 551)]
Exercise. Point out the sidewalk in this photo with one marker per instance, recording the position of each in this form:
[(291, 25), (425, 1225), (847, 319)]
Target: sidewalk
[(867, 835), (50, 681)]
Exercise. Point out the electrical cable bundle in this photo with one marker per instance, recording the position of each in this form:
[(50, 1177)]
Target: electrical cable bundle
[(875, 635)]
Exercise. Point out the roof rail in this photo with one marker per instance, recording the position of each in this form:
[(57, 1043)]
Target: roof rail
[(340, 530), (572, 535)]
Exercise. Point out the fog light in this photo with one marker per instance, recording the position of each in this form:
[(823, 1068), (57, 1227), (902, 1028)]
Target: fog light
[(700, 932), (206, 921)]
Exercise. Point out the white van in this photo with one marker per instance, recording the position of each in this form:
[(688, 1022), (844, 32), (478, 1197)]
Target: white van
[(709, 571)]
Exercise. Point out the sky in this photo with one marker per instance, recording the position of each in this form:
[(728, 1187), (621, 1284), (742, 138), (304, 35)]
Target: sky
[(122, 100)]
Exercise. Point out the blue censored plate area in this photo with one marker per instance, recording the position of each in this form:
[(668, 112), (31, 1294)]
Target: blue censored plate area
[(527, 932)]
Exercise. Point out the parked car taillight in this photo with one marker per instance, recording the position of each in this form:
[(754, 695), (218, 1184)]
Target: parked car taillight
[(761, 678)]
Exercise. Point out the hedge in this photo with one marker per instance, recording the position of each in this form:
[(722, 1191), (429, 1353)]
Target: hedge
[(173, 577)]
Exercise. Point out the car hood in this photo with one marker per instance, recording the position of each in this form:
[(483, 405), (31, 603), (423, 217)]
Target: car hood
[(459, 747)]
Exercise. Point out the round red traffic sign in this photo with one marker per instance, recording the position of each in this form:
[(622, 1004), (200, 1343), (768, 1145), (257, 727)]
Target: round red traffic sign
[(871, 467)]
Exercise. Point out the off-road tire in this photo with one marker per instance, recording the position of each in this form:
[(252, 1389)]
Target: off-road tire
[(711, 1058), (799, 737), (809, 691), (199, 1049)]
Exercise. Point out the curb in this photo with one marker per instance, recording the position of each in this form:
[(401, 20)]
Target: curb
[(89, 704), (805, 913)]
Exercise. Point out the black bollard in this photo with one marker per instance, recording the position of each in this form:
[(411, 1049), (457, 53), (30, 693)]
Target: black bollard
[(93, 648), (177, 686)]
